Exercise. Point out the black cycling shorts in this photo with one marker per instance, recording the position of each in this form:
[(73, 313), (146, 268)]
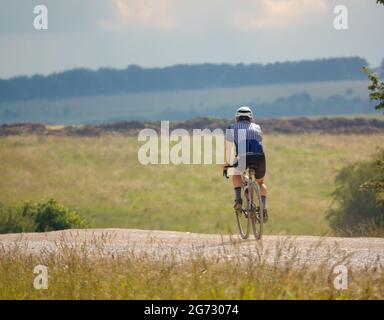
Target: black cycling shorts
[(257, 162)]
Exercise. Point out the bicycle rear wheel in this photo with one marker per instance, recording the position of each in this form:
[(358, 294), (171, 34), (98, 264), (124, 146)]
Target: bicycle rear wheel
[(257, 210)]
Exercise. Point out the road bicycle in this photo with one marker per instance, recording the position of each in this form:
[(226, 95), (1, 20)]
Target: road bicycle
[(252, 214)]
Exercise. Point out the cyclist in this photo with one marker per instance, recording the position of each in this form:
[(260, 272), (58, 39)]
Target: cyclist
[(253, 153)]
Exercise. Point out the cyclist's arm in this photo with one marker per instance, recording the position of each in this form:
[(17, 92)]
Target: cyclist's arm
[(260, 132), (229, 142), (228, 152)]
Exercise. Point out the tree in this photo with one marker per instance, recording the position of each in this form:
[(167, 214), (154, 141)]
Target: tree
[(376, 88), (377, 182)]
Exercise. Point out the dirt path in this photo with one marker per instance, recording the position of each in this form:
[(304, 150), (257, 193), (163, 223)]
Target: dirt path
[(358, 252)]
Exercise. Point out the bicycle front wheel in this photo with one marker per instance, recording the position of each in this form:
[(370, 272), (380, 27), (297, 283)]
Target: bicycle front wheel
[(242, 221)]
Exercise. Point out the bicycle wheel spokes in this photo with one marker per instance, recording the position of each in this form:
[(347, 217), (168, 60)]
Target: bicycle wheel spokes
[(256, 216)]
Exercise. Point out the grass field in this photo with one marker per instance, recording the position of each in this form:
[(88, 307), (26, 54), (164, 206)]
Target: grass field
[(102, 179)]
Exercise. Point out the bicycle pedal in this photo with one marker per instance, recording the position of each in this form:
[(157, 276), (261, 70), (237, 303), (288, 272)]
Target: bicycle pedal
[(254, 209)]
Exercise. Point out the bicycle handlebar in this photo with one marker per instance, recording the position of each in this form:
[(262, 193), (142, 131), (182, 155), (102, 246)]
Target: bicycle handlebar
[(225, 170)]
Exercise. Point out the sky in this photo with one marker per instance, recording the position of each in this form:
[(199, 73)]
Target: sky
[(156, 33)]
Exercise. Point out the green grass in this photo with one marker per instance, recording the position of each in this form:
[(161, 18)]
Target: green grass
[(102, 179)]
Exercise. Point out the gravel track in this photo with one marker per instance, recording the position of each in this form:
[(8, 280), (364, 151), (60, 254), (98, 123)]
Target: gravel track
[(356, 252)]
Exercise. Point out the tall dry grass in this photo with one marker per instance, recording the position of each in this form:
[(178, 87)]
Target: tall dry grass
[(79, 270)]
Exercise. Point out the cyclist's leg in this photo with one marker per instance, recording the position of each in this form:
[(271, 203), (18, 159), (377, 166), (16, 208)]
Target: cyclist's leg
[(237, 181), (237, 186), (263, 192), (263, 187), (260, 175)]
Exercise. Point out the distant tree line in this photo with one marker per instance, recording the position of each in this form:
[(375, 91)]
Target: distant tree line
[(299, 104), (84, 82)]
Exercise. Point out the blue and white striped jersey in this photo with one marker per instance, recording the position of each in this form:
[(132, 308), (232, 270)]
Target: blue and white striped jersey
[(248, 133)]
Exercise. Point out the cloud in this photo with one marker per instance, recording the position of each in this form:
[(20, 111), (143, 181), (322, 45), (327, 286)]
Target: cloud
[(277, 13), (235, 14), (141, 13)]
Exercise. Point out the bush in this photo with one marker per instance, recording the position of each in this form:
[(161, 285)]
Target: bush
[(38, 217), (359, 198), (12, 221)]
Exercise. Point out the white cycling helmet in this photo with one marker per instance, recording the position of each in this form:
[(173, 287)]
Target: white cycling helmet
[(244, 112)]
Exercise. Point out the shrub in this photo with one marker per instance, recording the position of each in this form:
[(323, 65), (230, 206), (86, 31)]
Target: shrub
[(12, 221), (38, 217), (359, 198)]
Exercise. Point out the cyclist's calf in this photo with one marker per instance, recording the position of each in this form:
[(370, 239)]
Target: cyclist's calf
[(237, 181), (263, 187)]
